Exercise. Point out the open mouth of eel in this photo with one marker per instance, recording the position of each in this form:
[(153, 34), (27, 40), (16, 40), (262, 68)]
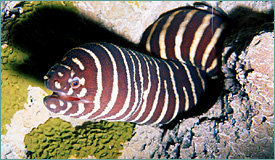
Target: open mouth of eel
[(64, 97)]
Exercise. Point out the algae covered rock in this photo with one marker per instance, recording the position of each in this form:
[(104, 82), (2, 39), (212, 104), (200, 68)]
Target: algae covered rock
[(58, 139)]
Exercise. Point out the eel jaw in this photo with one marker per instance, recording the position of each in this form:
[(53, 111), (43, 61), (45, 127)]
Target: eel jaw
[(54, 102), (58, 101), (63, 97)]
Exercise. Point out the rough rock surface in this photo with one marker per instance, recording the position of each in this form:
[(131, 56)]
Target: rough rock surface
[(242, 129), (9, 12), (239, 125), (128, 19)]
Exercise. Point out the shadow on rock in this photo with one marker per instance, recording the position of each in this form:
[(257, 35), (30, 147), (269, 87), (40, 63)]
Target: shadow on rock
[(46, 33), (244, 25)]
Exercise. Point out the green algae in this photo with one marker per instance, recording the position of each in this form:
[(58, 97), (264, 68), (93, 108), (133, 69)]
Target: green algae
[(57, 139)]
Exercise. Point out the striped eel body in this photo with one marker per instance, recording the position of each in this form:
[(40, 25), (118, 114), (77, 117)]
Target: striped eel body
[(190, 35), (108, 82)]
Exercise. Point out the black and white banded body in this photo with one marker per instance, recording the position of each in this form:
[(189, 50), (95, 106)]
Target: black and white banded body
[(190, 35), (108, 82), (104, 81)]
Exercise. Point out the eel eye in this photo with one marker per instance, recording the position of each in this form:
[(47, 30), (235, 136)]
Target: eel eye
[(75, 83)]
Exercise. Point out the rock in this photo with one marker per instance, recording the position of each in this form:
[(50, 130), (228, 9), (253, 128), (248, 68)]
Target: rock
[(264, 7), (128, 19), (145, 143), (260, 82)]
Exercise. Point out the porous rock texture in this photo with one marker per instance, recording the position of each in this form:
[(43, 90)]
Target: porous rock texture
[(241, 122), (241, 128)]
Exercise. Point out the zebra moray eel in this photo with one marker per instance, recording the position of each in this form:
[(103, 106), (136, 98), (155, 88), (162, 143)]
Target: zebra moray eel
[(108, 82)]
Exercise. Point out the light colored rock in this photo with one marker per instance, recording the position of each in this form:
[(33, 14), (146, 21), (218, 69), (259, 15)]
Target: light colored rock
[(258, 6), (260, 57), (144, 143), (128, 19), (23, 121)]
